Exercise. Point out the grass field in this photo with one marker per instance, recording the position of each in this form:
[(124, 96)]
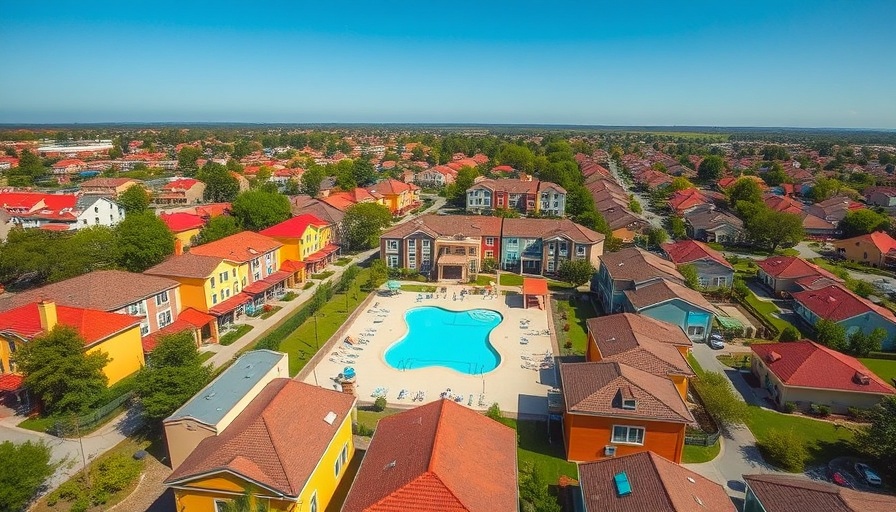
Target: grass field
[(883, 368), (577, 312), (511, 279), (769, 311), (822, 439), (304, 342), (696, 454), (419, 288), (232, 336)]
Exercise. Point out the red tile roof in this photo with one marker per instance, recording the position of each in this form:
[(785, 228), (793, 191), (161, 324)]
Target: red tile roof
[(92, 325), (261, 444), (180, 184), (15, 200), (791, 267), (439, 456), (883, 241), (187, 319), (294, 227), (222, 308), (836, 303), (179, 222), (11, 382), (391, 187), (241, 247), (535, 286), (687, 251), (808, 364)]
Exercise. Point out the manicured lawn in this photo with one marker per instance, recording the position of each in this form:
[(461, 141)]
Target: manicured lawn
[(232, 336), (419, 288), (270, 312), (288, 296), (769, 311), (732, 361), (508, 279), (534, 448), (308, 284), (38, 424), (323, 275), (303, 342), (576, 313), (745, 268), (205, 356), (883, 368), (371, 418), (484, 279), (342, 262), (822, 439), (696, 454)]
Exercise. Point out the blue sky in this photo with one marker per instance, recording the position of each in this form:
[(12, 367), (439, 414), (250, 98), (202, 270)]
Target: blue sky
[(721, 63)]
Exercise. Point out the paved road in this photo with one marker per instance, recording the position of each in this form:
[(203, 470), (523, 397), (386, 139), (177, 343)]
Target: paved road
[(739, 455), (651, 217), (69, 452)]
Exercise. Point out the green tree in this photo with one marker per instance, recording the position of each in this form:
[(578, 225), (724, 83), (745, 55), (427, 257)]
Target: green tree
[(135, 199), (831, 335), (678, 228), (863, 221), (456, 193), (19, 481), (824, 188), (680, 183), (363, 224), (29, 170), (878, 439), (217, 228), (174, 374), (773, 229), (785, 448), (711, 168), (258, 209), (379, 272), (186, 159), (691, 278), (311, 180), (143, 241), (775, 175), (634, 205), (744, 189), (246, 502), (518, 157), (861, 344), (790, 333), (363, 172), (88, 249), (61, 373), (220, 185), (656, 237), (576, 272), (534, 493)]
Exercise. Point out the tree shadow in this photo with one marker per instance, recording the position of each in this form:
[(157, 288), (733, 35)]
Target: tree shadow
[(535, 436)]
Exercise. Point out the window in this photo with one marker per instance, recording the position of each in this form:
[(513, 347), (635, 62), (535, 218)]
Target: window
[(222, 505), (392, 261), (223, 276), (550, 265), (314, 502), (392, 245), (629, 404), (344, 454), (426, 246), (695, 330), (234, 272), (144, 329), (412, 245), (489, 240), (162, 298), (337, 467), (164, 318), (214, 298), (720, 281), (628, 435), (489, 254), (256, 263), (213, 282), (580, 250)]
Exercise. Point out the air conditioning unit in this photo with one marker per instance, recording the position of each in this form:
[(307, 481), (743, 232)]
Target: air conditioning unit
[(609, 451)]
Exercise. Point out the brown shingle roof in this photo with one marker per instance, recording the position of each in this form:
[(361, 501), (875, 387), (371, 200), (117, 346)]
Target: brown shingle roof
[(663, 290), (508, 185), (790, 493), (687, 251), (186, 265), (277, 441), (549, 228), (641, 342), (103, 290), (634, 264), (439, 456), (658, 485), (241, 247), (593, 388), (449, 225)]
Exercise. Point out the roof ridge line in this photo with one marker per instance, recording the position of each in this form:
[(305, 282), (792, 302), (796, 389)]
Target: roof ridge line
[(435, 439), (267, 429)]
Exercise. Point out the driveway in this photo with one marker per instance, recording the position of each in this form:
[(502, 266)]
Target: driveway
[(739, 454), (648, 215)]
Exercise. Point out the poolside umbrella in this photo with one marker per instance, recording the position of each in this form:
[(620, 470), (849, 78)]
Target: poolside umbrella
[(393, 286)]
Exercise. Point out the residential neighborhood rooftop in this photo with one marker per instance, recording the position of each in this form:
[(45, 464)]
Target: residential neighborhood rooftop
[(242, 247), (91, 325), (791, 493)]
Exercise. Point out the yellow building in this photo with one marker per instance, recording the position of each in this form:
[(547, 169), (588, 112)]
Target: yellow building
[(115, 334), (185, 226), (207, 283), (306, 239), (289, 448), (877, 249), (398, 196)]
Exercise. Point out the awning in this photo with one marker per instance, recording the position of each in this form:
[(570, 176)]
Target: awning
[(230, 304), (535, 286), (728, 322), (188, 319), (11, 382), (292, 266), (321, 254), (267, 283)]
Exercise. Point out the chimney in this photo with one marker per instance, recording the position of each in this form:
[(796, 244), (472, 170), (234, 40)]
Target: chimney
[(47, 311), (178, 247)]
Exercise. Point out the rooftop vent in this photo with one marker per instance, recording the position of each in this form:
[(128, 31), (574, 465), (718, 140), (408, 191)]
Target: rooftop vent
[(330, 417), (623, 486), (691, 479), (773, 356), (861, 378), (390, 465)]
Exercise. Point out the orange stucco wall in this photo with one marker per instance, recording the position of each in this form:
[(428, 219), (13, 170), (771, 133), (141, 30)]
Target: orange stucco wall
[(586, 437)]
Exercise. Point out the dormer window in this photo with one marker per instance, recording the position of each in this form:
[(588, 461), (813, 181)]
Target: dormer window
[(629, 404)]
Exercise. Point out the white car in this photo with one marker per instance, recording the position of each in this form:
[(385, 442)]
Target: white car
[(867, 474), (716, 344)]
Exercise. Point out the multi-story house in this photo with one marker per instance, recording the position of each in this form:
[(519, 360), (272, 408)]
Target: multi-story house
[(107, 187), (450, 247), (86, 211), (155, 300), (306, 239), (260, 253), (525, 195), (835, 303), (398, 196), (713, 270), (180, 191), (540, 246)]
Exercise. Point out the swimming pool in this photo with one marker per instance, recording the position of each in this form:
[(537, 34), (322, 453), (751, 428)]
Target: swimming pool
[(453, 339)]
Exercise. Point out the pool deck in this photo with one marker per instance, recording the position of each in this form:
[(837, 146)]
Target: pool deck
[(517, 390)]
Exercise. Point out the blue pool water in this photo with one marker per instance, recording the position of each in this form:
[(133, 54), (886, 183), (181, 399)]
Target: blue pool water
[(438, 337)]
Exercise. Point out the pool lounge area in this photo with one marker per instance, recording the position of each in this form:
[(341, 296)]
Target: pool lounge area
[(475, 349)]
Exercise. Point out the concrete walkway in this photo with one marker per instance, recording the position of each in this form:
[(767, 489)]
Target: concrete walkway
[(739, 454), (69, 452)]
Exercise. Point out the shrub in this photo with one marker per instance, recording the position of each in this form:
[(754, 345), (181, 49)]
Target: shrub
[(820, 410), (785, 449), (379, 405), (307, 285), (363, 430), (788, 407), (288, 296), (858, 414), (720, 399), (567, 344), (565, 327), (790, 333), (494, 412)]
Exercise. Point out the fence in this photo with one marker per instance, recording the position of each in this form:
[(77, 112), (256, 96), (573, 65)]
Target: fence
[(698, 438), (68, 427)]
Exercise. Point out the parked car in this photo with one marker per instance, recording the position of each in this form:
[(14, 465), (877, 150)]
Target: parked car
[(716, 344), (716, 335), (838, 478), (867, 474)]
